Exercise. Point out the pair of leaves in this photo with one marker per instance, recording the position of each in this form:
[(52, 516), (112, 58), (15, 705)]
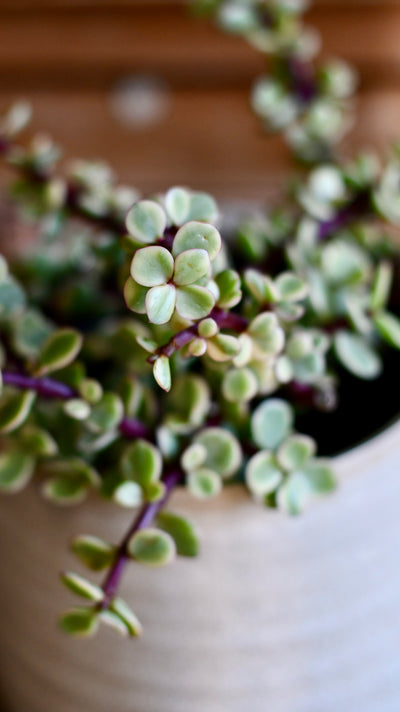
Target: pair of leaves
[(84, 621), (214, 455)]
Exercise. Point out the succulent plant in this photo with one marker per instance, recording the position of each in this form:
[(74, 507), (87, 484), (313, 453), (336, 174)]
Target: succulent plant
[(140, 350)]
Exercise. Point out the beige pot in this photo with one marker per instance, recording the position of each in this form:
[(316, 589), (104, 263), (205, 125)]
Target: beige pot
[(279, 614)]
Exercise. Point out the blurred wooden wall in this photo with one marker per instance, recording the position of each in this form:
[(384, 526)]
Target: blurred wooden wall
[(67, 57)]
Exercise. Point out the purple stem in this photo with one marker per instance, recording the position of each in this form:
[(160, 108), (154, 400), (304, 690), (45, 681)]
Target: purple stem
[(354, 210), (45, 387), (224, 319), (169, 235), (48, 388), (229, 320), (145, 518), (302, 78), (132, 429)]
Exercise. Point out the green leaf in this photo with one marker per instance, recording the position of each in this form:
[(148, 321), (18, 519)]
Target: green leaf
[(167, 442), (123, 611), (284, 369), (194, 302), (208, 328), (294, 494), (223, 347), (77, 409), (3, 269), (30, 331), (128, 494), (135, 296), (81, 622), (388, 326), (267, 336), (64, 490), (204, 483), (16, 469), (381, 286), (316, 478), (345, 262), (291, 288), (16, 118), (197, 347), (12, 298), (296, 451), (262, 474), (147, 344), (182, 532), (162, 373), (75, 468), (146, 221), (193, 457), (154, 492), (290, 311), (197, 235), (300, 344), (177, 203), (152, 266), (271, 423), (310, 368), (106, 414), (257, 283), (36, 441), (91, 390), (160, 303), (320, 476), (82, 587), (202, 207), (110, 619), (189, 402), (356, 355), (58, 351), (14, 410), (152, 547), (142, 463), (190, 266), (224, 455), (229, 285), (91, 443), (239, 385), (95, 553)]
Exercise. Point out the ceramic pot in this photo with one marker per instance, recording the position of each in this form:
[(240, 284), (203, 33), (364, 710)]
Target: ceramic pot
[(280, 614)]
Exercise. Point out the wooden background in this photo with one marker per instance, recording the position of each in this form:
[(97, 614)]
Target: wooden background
[(67, 56)]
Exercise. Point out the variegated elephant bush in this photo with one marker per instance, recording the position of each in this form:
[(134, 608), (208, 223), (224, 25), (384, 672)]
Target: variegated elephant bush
[(141, 350)]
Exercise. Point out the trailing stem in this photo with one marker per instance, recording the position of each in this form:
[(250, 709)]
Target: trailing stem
[(51, 389), (145, 518)]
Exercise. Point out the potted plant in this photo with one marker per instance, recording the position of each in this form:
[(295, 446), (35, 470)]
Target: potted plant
[(140, 352)]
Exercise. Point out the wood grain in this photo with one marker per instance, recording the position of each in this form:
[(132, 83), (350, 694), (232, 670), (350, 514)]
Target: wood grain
[(209, 140), (73, 45), (66, 59)]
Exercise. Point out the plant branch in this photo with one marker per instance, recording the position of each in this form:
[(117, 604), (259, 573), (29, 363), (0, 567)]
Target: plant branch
[(145, 518), (51, 389), (302, 79), (224, 319), (73, 192), (358, 208)]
